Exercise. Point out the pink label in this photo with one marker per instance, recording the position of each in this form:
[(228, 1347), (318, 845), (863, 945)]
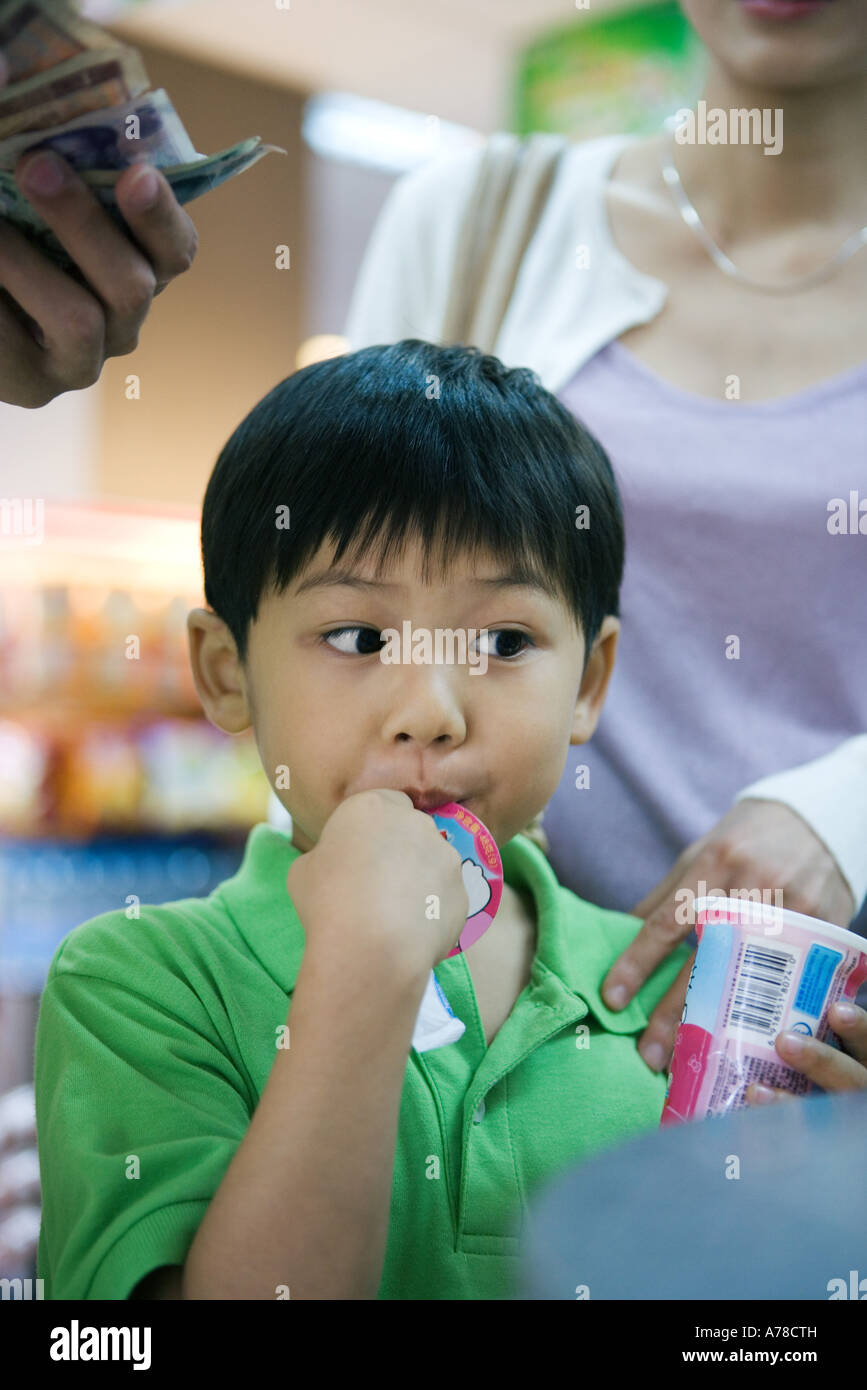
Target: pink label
[(481, 867), (759, 971)]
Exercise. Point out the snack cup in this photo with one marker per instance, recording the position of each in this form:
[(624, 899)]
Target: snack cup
[(759, 970), (482, 871)]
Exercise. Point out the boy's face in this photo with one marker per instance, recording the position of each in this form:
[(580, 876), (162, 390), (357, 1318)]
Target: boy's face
[(341, 720)]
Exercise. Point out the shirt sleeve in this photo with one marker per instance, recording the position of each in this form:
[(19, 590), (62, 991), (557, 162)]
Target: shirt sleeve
[(402, 287), (830, 794), (139, 1110)]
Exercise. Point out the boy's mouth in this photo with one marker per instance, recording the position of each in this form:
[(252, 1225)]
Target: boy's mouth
[(784, 9), (431, 799)]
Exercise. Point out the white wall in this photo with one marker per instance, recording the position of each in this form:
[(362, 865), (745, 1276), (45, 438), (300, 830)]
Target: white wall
[(343, 202), (52, 452)]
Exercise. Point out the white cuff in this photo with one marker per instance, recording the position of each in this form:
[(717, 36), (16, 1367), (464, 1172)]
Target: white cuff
[(830, 794)]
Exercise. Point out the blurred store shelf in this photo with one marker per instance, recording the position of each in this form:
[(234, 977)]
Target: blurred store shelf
[(114, 788)]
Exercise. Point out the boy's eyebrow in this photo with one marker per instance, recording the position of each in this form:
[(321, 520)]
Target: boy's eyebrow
[(523, 577)]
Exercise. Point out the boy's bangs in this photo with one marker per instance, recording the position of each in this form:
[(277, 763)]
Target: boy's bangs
[(355, 454), (445, 540)]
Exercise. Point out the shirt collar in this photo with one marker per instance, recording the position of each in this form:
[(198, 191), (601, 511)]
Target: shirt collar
[(574, 941)]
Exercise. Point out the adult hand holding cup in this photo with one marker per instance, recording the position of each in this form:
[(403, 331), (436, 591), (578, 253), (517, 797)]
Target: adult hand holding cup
[(765, 978)]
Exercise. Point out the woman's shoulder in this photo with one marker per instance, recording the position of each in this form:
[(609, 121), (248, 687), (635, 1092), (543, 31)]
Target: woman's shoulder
[(427, 205), (404, 283), (448, 173)]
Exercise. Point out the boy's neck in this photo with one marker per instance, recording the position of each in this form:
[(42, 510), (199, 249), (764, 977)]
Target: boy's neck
[(519, 908), (513, 931)]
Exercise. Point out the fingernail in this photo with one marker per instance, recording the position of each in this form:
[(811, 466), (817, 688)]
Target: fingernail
[(615, 997), (845, 1012), (653, 1056), (44, 174), (793, 1043), (763, 1095), (142, 190)]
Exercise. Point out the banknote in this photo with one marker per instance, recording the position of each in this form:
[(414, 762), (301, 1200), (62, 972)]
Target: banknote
[(75, 89), (146, 128), (188, 181), (88, 82), (36, 36)]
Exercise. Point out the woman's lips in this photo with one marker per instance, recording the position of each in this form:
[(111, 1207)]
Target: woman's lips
[(784, 9)]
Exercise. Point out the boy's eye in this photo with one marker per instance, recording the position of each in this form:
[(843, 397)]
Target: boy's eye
[(511, 634), (347, 636), (372, 641)]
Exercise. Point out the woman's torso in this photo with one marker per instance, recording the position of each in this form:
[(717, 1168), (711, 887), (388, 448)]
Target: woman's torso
[(711, 326), (726, 508)]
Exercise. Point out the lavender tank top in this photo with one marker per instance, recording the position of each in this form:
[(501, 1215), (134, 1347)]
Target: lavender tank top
[(726, 513)]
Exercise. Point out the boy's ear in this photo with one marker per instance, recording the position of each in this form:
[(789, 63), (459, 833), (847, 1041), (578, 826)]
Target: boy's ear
[(594, 684), (217, 671)]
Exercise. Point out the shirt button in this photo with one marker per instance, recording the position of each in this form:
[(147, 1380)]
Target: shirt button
[(477, 1118)]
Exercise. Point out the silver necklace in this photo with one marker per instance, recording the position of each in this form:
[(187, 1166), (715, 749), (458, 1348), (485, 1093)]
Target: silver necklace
[(719, 257)]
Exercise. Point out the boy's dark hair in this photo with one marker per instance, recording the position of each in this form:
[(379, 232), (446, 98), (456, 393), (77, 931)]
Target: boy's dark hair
[(410, 439)]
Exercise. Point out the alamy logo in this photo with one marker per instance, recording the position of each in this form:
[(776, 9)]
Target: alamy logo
[(848, 520), (441, 645), (22, 520), (22, 1289), (856, 1289), (75, 1343), (686, 899), (738, 126)]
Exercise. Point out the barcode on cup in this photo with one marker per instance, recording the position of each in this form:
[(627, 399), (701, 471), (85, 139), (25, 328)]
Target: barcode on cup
[(761, 987)]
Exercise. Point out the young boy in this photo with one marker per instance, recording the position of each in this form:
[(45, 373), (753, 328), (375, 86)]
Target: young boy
[(228, 1102)]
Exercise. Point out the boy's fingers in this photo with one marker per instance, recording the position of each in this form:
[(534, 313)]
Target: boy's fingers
[(393, 795), (656, 1044), (162, 229)]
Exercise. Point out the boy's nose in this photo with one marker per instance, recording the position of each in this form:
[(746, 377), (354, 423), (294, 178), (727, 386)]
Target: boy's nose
[(425, 709)]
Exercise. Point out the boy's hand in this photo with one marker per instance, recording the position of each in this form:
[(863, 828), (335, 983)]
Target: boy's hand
[(828, 1068), (363, 892), (757, 845)]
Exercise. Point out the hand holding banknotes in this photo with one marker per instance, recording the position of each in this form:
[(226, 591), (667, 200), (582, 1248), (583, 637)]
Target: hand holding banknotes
[(94, 170), (56, 332)]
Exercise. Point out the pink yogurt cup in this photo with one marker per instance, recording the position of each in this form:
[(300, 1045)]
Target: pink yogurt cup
[(759, 970)]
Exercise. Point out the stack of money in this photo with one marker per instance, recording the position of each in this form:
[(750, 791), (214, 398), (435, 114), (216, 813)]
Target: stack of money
[(71, 87)]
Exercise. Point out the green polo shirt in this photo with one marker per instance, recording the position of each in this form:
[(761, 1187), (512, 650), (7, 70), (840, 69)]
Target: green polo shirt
[(157, 1034)]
